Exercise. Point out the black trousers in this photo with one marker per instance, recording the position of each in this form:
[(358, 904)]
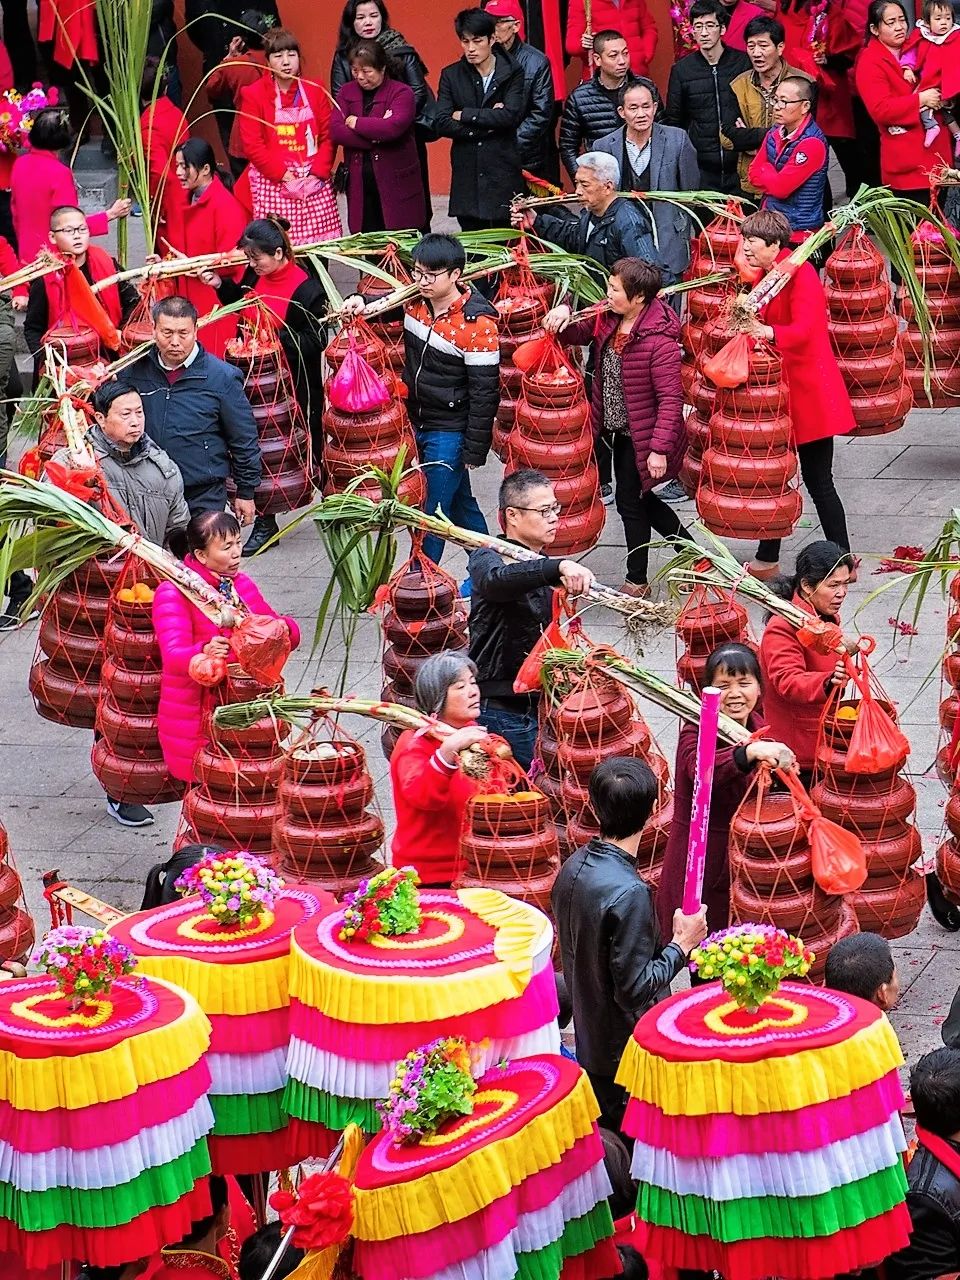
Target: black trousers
[(211, 496), (640, 512), (816, 471)]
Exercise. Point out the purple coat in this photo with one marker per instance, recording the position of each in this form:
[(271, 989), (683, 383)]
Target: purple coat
[(392, 148), (651, 382)]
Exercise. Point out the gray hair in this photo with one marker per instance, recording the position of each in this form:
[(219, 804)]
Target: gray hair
[(435, 677), (604, 165)]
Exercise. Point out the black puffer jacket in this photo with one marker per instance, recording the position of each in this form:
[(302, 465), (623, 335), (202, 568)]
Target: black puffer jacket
[(535, 134), (510, 606), (698, 97), (933, 1198), (589, 114), (610, 948), (411, 65)]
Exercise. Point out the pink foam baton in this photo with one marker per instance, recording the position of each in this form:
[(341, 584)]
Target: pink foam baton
[(702, 793)]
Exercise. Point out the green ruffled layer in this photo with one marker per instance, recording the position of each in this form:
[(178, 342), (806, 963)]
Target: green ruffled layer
[(105, 1206), (239, 1116), (303, 1102), (579, 1235), (776, 1217)]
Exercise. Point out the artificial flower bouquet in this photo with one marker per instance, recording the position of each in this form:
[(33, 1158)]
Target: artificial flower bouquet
[(751, 960), (387, 904), (236, 887), (432, 1084), (17, 112), (83, 962)]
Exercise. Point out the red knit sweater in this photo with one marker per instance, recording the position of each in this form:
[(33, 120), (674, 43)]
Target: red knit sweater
[(430, 801)]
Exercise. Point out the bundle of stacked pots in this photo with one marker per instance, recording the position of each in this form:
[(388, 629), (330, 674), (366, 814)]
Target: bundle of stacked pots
[(65, 676), (424, 615), (746, 488), (550, 779), (864, 332), (877, 807), (509, 843), (17, 934), (940, 281), (127, 760), (521, 302), (948, 854), (354, 442), (709, 618), (594, 722), (771, 875), (233, 800), (388, 325), (552, 434), (287, 481), (324, 832)]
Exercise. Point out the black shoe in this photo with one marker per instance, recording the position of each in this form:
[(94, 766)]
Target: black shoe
[(943, 911), (606, 494), (672, 491), (9, 622), (11, 619), (264, 528), (129, 815)]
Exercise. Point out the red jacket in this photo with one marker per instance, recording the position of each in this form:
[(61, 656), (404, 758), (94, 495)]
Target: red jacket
[(795, 686), (631, 18), (258, 133), (841, 38), (163, 128), (819, 402), (937, 65), (40, 181), (9, 263), (894, 105), (430, 802), (212, 224)]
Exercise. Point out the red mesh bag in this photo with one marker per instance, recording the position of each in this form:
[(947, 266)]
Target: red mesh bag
[(522, 299), (387, 325), (261, 645), (207, 670), (730, 367), (356, 387), (709, 617)]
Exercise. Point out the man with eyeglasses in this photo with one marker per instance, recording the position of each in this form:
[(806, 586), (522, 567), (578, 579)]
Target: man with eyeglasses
[(511, 605), (790, 169)]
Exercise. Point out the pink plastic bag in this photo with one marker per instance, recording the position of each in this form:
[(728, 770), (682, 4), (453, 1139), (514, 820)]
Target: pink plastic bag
[(356, 387)]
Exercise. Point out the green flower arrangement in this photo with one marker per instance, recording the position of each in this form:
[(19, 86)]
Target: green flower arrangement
[(432, 1084), (751, 960)]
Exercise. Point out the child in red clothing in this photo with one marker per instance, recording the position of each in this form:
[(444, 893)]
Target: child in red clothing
[(932, 49)]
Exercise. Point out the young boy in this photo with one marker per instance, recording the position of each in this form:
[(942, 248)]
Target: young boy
[(930, 57), (862, 965)]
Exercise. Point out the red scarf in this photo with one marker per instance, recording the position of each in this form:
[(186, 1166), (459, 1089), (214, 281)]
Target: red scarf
[(276, 290), (69, 297), (948, 1155)]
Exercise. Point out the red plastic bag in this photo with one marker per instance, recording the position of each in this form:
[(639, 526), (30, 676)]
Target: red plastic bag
[(206, 670), (836, 855), (876, 743), (730, 367), (356, 387), (528, 677), (262, 646), (533, 353)]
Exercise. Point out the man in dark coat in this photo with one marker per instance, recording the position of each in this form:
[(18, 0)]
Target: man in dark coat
[(699, 94), (613, 964), (196, 411), (212, 24), (591, 110), (480, 105), (535, 136)]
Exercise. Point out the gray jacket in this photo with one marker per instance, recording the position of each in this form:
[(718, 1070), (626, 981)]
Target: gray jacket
[(673, 167), (145, 482)]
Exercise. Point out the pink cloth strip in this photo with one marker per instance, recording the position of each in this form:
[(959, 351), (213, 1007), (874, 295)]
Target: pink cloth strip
[(427, 1252), (249, 1032), (33, 1132), (807, 1129), (377, 1043)]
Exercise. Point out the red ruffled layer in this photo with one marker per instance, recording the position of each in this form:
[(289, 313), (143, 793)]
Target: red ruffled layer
[(249, 1032), (310, 1141), (252, 1153), (600, 1261)]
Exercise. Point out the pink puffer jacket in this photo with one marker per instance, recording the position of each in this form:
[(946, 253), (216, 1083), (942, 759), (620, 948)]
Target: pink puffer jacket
[(182, 631)]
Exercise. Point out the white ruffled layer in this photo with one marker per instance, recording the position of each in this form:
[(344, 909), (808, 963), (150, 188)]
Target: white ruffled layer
[(237, 1073), (787, 1174), (345, 1078), (107, 1166)]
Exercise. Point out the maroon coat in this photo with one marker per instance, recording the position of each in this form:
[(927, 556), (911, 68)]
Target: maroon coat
[(730, 784), (651, 383), (392, 148)]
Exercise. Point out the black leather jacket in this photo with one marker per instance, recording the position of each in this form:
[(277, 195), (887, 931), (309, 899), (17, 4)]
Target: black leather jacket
[(623, 231), (613, 963), (410, 63), (933, 1198), (535, 132), (589, 114), (510, 605)]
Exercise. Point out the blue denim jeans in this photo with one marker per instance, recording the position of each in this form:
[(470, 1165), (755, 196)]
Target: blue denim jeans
[(448, 485), (519, 728)]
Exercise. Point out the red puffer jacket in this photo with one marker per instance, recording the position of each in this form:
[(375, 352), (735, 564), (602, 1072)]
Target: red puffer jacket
[(794, 686), (651, 382), (894, 105), (182, 631)]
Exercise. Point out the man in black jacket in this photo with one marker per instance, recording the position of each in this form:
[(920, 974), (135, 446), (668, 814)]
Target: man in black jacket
[(538, 148), (591, 110), (512, 604), (699, 95), (196, 411), (480, 106), (613, 964)]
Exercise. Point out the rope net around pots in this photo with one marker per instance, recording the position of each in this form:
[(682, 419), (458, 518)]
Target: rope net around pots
[(709, 617), (940, 280), (948, 755), (388, 325), (521, 301)]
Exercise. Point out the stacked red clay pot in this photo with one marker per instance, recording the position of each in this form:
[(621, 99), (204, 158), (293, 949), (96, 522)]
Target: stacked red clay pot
[(521, 302), (709, 617), (747, 486), (388, 325), (550, 780), (771, 874), (17, 933), (940, 281), (509, 843), (948, 854), (864, 331), (127, 760), (65, 676)]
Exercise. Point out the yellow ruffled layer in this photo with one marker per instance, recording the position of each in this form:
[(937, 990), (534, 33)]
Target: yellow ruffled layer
[(482, 1176), (391, 1000), (761, 1088), (40, 1084), (225, 988)]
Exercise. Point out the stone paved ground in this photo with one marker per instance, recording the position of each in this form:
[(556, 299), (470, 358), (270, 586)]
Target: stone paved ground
[(897, 490)]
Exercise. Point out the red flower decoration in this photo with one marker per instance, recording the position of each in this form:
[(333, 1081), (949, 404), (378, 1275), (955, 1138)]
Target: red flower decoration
[(321, 1210)]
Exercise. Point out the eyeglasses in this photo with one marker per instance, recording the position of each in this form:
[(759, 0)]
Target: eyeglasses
[(788, 102), (69, 231), (553, 509), (426, 277), (706, 26)]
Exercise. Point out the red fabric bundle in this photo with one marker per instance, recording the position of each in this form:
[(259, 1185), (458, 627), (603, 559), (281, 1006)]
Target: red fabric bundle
[(206, 670), (262, 646)]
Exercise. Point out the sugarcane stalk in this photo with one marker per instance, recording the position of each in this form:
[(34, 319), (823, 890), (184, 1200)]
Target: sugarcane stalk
[(44, 264), (240, 715)]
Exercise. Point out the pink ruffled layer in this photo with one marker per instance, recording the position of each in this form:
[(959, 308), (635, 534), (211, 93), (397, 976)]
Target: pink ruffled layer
[(249, 1032), (807, 1129)]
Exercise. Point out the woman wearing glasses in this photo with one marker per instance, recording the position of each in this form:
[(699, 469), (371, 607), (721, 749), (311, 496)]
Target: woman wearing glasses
[(895, 104)]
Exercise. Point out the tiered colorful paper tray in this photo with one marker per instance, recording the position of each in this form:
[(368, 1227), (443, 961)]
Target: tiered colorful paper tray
[(767, 1142), (478, 967), (239, 975), (518, 1188), (103, 1121)]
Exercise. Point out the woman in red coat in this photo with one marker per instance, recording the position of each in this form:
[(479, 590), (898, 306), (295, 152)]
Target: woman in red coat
[(163, 128), (795, 323), (285, 131), (631, 18), (638, 397), (895, 105)]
